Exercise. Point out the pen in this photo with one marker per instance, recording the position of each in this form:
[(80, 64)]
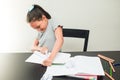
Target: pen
[(117, 64), (57, 63)]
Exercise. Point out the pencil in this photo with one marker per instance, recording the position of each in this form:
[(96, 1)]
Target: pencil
[(109, 76), (106, 58), (112, 66)]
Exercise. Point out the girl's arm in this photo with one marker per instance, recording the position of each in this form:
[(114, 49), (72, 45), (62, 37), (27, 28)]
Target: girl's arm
[(37, 48), (57, 46), (58, 43), (35, 45)]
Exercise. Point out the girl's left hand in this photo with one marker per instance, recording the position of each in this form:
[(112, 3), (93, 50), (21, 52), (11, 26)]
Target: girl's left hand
[(47, 62)]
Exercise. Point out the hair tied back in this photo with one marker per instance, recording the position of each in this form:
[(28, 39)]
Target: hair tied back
[(31, 8)]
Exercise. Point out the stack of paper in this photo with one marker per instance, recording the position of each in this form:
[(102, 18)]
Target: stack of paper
[(79, 66)]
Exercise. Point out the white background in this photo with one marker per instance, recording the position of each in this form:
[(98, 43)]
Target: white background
[(101, 17)]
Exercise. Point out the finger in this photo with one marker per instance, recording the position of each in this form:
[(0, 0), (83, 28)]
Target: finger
[(46, 51), (43, 64)]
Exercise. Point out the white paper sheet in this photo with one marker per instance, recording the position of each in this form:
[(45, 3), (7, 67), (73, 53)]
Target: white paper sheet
[(86, 64)]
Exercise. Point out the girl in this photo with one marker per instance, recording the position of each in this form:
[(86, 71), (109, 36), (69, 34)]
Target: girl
[(50, 37)]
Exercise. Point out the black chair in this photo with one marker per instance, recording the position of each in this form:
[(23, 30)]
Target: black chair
[(77, 33)]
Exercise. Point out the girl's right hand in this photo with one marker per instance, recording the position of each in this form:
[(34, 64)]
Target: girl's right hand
[(43, 49), (35, 48), (40, 49)]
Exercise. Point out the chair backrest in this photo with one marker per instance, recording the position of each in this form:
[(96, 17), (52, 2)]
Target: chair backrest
[(77, 33)]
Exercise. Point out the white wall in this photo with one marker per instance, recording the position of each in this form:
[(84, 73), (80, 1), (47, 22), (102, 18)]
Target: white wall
[(101, 17)]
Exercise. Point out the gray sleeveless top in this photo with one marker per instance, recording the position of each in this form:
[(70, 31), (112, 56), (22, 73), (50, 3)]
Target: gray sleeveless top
[(48, 38)]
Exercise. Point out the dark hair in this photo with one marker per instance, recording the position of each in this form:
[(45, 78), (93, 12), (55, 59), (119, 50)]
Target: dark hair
[(36, 13)]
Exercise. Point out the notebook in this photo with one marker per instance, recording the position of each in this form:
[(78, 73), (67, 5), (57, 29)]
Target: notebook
[(38, 58)]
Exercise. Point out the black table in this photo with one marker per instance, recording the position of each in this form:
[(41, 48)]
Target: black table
[(13, 66)]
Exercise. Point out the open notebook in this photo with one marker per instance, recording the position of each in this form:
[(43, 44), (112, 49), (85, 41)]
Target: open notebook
[(38, 58)]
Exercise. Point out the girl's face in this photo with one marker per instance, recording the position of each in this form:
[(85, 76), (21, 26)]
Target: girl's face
[(40, 25)]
